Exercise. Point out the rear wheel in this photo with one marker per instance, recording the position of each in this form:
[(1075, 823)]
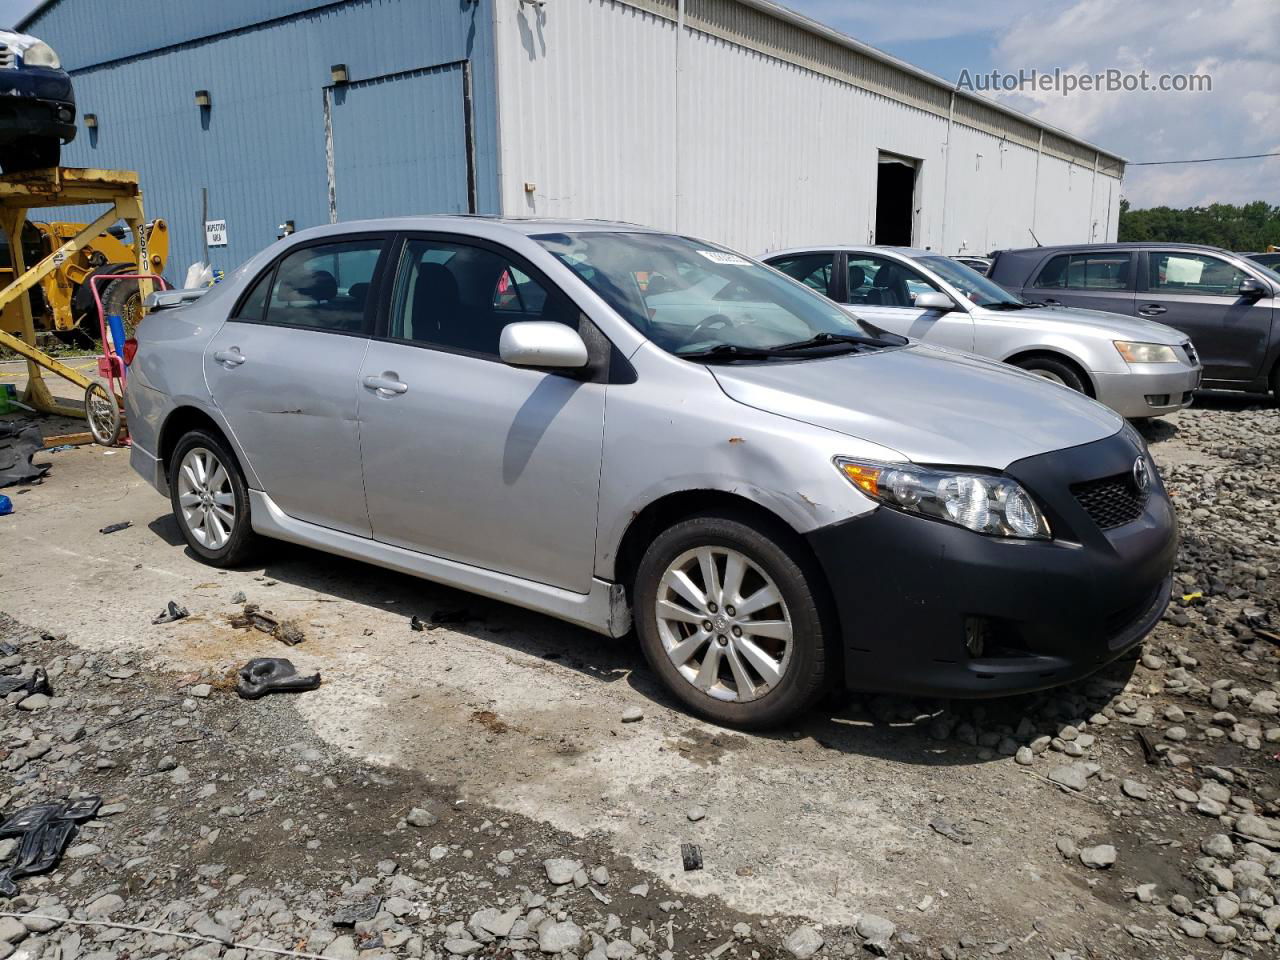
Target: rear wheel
[(730, 617), (1053, 370), (30, 153), (210, 500)]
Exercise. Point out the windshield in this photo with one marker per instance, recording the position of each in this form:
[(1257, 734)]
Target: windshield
[(694, 298), (980, 290)]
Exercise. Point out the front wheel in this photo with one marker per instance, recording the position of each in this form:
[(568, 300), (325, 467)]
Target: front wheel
[(1054, 371), (730, 614), (210, 500)]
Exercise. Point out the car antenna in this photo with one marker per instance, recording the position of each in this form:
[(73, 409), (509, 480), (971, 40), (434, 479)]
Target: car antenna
[(1034, 237)]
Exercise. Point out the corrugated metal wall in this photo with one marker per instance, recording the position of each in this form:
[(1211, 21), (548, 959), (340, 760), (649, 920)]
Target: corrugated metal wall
[(713, 137), (261, 148)]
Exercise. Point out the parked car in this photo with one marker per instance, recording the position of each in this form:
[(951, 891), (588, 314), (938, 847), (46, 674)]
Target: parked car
[(1138, 368), (780, 498), (1226, 303), (1269, 260), (37, 105), (976, 264)]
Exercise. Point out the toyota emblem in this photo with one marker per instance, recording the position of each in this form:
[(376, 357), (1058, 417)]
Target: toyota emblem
[(1141, 475)]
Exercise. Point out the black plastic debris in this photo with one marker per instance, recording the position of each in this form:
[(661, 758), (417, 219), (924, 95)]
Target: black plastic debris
[(45, 830), (35, 682), (349, 914), (20, 440), (417, 623), (691, 854), (7, 649), (116, 527), (172, 612), (264, 675)]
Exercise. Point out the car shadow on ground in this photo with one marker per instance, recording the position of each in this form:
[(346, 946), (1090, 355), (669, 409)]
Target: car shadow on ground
[(917, 732)]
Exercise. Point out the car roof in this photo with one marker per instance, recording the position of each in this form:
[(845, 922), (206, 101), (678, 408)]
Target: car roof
[(1102, 247), (524, 226), (912, 252)]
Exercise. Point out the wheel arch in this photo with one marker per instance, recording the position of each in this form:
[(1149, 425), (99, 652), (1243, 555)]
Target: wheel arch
[(187, 417), (1060, 356)]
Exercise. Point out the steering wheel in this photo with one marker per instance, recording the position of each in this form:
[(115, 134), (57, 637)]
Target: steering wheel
[(717, 321)]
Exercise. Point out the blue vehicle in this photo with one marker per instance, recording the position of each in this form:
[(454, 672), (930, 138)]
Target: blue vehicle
[(37, 105)]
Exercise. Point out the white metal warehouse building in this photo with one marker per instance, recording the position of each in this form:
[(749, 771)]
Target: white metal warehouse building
[(735, 120)]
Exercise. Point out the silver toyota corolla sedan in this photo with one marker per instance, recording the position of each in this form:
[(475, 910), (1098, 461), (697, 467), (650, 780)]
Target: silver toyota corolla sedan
[(614, 426), (1136, 367)]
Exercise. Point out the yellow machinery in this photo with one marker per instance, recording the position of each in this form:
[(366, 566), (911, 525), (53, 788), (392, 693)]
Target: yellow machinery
[(62, 302), (55, 187)]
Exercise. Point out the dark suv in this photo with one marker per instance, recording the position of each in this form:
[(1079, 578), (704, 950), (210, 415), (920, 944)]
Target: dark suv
[(1228, 304), (37, 105)]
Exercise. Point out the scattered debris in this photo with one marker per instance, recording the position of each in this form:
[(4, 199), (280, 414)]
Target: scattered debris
[(691, 855), (255, 618), (19, 441), (239, 597), (417, 623), (349, 914), (1148, 747), (44, 830), (289, 632), (264, 675), (952, 831), (116, 527), (36, 682), (174, 611), (6, 506)]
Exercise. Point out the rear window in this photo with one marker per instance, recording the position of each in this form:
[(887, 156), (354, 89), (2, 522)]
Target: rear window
[(1086, 271)]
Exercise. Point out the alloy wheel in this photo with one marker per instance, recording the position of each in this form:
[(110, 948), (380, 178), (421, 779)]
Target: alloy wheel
[(724, 624), (206, 498)]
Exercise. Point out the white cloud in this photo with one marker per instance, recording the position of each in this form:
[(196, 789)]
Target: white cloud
[(1233, 41)]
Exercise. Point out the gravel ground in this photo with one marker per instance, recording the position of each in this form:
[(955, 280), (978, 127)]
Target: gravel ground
[(1136, 814)]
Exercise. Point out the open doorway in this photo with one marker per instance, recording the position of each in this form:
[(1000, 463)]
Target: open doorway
[(895, 200)]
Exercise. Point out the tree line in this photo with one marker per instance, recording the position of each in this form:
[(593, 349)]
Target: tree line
[(1248, 228)]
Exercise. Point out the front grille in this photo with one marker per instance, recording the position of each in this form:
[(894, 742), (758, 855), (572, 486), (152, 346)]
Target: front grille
[(7, 58), (1112, 501)]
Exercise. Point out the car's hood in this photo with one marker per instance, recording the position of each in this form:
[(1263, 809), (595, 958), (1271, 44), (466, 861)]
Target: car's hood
[(1114, 326), (931, 405)]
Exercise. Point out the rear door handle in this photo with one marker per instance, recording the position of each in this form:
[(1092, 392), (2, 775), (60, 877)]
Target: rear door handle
[(386, 385), (1152, 310), (232, 357)]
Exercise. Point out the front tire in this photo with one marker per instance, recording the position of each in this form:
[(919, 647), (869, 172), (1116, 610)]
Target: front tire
[(1055, 371), (731, 615), (210, 500)]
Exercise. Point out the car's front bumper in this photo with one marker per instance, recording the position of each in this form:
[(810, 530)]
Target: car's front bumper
[(906, 588), (1148, 389), (36, 102)]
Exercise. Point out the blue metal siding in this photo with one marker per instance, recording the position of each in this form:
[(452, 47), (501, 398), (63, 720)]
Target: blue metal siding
[(260, 148)]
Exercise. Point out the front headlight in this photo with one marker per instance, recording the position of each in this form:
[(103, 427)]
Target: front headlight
[(980, 502), (1145, 352), (40, 54)]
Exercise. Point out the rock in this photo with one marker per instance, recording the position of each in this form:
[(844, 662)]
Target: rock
[(201, 690), (104, 906), (696, 813), (1134, 789), (1221, 933), (82, 851), (11, 930), (420, 817), (1256, 828), (632, 715), (1193, 928), (1099, 857), (1073, 776), (342, 948), (877, 932), (462, 947), (558, 936), (37, 701), (1219, 845), (560, 870), (1145, 892), (803, 942), (179, 776), (1024, 757)]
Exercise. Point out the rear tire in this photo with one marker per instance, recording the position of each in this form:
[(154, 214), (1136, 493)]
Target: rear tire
[(1054, 370), (759, 663), (30, 153), (210, 500)]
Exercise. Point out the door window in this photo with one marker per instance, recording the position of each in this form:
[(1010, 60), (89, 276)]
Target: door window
[(812, 269), (1086, 271), (324, 287), (880, 282), (459, 297), (1193, 273)]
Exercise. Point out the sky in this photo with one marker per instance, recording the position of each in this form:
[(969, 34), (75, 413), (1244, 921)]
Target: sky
[(1235, 42)]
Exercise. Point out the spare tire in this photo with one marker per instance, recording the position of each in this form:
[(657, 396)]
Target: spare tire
[(115, 299)]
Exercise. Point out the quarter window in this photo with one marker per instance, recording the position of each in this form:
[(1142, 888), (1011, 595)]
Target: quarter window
[(813, 270), (1193, 273), (252, 306), (1086, 271), (325, 287), (879, 282), (460, 297)]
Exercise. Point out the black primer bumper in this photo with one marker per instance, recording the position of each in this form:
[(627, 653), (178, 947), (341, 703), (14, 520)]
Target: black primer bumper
[(1054, 611), (36, 102)]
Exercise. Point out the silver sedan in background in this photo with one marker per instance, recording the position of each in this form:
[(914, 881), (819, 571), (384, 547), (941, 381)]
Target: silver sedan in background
[(1137, 367)]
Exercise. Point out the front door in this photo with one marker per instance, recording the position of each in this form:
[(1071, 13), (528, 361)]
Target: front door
[(465, 457), (1199, 294), (883, 291), (284, 371)]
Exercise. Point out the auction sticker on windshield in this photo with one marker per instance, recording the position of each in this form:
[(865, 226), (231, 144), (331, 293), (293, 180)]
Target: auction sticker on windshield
[(730, 259)]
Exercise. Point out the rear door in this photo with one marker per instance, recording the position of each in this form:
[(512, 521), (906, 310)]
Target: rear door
[(883, 291), (467, 458), (285, 369), (1199, 294), (1093, 280)]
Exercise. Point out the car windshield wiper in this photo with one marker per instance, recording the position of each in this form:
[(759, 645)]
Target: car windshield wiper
[(728, 351), (827, 339), (1009, 305)]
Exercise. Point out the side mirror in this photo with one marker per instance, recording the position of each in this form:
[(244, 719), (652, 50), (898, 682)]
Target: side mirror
[(543, 344), (1249, 287), (933, 300)]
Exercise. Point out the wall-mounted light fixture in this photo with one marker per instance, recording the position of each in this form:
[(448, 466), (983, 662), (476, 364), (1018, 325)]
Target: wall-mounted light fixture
[(202, 99), (91, 120), (338, 72)]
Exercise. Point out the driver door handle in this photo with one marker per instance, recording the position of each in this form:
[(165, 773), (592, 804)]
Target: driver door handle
[(232, 357), (1152, 310), (386, 385)]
